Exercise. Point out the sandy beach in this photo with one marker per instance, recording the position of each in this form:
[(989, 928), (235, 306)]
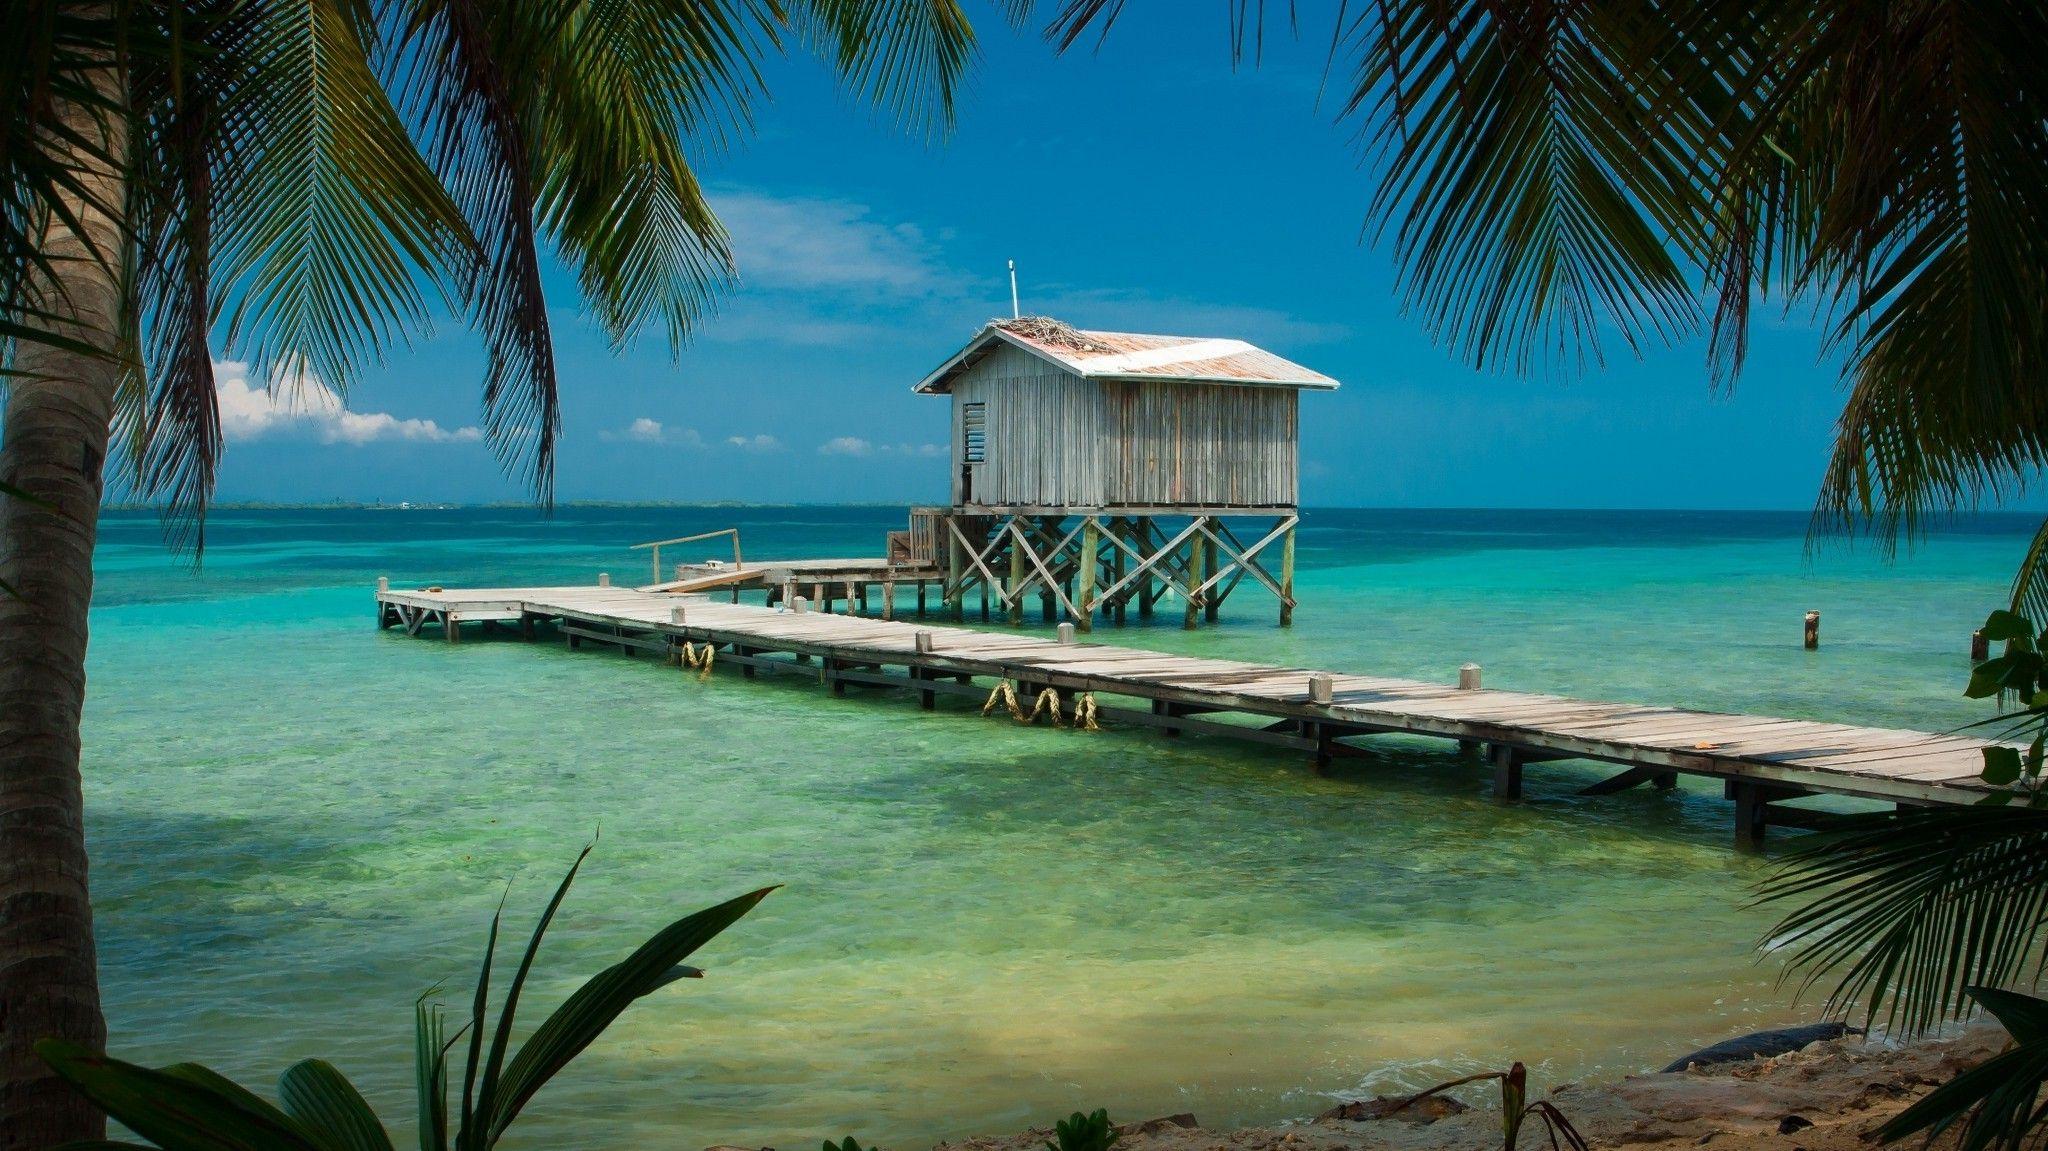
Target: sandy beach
[(1829, 1096)]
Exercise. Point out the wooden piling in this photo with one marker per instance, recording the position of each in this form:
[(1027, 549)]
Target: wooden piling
[(1507, 773), (889, 599), (1980, 648), (1212, 600), (1012, 597), (1751, 814), (1813, 631), (1195, 577), (1287, 579), (954, 596), (1084, 599)]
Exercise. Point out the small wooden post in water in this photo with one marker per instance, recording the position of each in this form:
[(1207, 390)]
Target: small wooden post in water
[(1980, 648), (1195, 569), (1813, 631)]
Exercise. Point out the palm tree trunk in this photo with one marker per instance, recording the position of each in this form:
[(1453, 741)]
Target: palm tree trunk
[(52, 446)]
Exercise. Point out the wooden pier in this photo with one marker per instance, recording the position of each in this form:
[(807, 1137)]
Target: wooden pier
[(1762, 763)]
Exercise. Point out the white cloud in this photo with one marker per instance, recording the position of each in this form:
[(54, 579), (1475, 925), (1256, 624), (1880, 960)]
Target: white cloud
[(758, 443), (846, 446), (296, 401), (816, 243), (651, 431), (855, 446)]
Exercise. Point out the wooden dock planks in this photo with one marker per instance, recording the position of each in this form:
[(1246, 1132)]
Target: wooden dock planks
[(1797, 755)]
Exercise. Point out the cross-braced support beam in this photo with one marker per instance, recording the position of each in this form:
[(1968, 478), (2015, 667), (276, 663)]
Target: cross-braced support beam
[(1088, 561)]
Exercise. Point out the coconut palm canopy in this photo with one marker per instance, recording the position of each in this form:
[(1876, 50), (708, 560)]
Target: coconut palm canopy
[(1560, 180), (310, 179)]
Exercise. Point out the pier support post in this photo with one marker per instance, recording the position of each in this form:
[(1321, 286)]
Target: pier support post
[(1213, 599), (889, 599), (1287, 578), (1195, 577), (1084, 599), (1751, 815), (1322, 738), (452, 627), (1011, 596), (954, 596), (920, 599), (1507, 773), (1813, 631)]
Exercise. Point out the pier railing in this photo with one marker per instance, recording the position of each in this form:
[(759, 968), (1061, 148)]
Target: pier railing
[(657, 545)]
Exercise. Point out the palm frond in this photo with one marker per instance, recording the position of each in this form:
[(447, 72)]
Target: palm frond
[(1929, 248), (1995, 1101), (905, 56), (2030, 582), (453, 63), (1909, 910)]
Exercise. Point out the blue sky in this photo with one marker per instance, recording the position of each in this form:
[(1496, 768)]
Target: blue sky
[(1144, 187)]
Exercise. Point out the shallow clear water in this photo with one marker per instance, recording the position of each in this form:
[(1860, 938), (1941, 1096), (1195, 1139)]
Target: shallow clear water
[(299, 824)]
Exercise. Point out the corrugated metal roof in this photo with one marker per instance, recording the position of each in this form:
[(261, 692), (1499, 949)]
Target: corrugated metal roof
[(1131, 356)]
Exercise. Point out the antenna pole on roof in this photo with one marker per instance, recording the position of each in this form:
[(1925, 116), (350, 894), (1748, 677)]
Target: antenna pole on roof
[(1015, 312)]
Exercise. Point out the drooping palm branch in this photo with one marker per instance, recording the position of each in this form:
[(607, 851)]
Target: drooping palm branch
[(310, 177), (1547, 172)]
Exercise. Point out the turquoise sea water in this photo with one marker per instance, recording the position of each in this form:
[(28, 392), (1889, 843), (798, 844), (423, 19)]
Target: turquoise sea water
[(299, 824)]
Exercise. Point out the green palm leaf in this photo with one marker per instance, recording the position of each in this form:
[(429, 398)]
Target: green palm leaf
[(330, 1109), (1996, 1100), (177, 1109), (2030, 583), (1911, 910), (592, 1007)]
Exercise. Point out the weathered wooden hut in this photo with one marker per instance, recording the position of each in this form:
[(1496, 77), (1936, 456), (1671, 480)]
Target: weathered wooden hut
[(1105, 468)]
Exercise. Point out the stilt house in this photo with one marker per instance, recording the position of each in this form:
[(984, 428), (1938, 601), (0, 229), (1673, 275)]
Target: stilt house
[(1101, 469)]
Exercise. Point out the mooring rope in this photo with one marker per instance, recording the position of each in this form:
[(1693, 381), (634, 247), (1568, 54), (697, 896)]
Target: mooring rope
[(1046, 703), (1007, 696), (689, 655), (1084, 712), (1048, 700)]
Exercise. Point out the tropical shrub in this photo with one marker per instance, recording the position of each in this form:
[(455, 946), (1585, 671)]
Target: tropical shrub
[(1079, 1132), (187, 1107), (1924, 915)]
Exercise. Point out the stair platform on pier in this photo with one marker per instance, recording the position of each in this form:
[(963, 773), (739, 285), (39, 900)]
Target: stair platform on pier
[(1763, 761)]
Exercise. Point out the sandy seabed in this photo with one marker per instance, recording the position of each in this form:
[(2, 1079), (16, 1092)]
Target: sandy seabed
[(1827, 1097)]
